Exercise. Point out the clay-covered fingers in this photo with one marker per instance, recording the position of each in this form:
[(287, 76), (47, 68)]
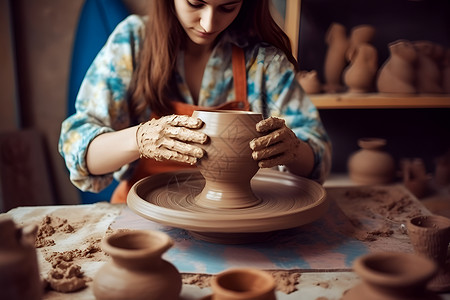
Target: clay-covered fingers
[(182, 120), (171, 137), (278, 146), (185, 134), (269, 124)]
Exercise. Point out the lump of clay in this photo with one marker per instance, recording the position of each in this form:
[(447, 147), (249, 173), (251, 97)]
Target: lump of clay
[(398, 73), (66, 277), (428, 70)]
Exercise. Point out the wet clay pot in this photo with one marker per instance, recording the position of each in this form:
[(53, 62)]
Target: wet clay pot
[(392, 276), (137, 270), (243, 284), (430, 236), (19, 271), (371, 164), (228, 165)]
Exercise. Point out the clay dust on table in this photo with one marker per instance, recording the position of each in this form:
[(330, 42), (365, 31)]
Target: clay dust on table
[(65, 274)]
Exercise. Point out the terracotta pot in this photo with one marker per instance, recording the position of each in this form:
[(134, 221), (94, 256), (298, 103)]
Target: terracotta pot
[(392, 275), (429, 76), (359, 76), (309, 80), (19, 271), (243, 284), (228, 165), (371, 164), (137, 270), (361, 34), (398, 72), (335, 61), (430, 236)]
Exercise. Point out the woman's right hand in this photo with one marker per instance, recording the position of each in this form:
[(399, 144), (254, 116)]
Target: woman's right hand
[(171, 137)]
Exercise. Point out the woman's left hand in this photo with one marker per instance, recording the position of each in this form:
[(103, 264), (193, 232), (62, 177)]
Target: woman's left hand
[(278, 146)]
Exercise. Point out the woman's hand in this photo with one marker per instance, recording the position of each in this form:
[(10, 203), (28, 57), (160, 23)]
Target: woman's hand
[(170, 138), (279, 145)]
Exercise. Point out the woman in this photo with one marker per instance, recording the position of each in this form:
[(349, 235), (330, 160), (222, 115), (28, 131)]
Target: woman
[(189, 54)]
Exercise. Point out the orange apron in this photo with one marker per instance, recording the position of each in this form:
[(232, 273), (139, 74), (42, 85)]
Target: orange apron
[(147, 167)]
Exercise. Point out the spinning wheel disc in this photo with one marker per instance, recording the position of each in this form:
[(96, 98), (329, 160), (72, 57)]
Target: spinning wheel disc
[(287, 201)]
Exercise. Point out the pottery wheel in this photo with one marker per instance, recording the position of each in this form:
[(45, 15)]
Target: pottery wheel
[(287, 201)]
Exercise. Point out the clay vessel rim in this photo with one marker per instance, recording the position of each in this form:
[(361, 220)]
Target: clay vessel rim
[(427, 222), (226, 112), (266, 279), (230, 221), (372, 142), (370, 268), (155, 243)]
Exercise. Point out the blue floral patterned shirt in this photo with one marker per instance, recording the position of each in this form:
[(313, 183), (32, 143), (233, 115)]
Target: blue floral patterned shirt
[(101, 104)]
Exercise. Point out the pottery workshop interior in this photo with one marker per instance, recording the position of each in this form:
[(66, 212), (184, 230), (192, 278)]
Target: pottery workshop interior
[(341, 190)]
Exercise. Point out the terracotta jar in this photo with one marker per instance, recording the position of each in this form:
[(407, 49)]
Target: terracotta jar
[(371, 164), (243, 284), (137, 270), (335, 61), (398, 72), (359, 75), (228, 165), (392, 275), (430, 236), (19, 271)]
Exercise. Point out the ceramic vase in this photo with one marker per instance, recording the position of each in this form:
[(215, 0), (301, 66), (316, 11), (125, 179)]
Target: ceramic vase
[(359, 75), (429, 55), (335, 61), (371, 164), (19, 270), (136, 269), (392, 275), (446, 71), (243, 284), (309, 80), (430, 236), (361, 34), (398, 72), (228, 166)]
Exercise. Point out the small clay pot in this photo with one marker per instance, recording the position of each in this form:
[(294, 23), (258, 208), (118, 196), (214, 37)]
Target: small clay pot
[(371, 164), (19, 270), (137, 270), (228, 165), (392, 275), (430, 236), (243, 284)]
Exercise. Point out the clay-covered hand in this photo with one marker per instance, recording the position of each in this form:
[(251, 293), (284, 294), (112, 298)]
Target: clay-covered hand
[(277, 146), (171, 138)]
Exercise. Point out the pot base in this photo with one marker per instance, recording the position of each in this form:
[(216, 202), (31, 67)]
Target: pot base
[(287, 201)]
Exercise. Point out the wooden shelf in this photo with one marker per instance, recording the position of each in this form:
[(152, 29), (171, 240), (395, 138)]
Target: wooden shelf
[(376, 100)]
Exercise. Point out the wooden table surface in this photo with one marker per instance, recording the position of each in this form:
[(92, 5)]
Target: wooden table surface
[(94, 222)]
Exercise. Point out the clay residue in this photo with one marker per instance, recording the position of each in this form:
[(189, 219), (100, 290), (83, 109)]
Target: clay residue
[(285, 281), (388, 208), (66, 276), (48, 227)]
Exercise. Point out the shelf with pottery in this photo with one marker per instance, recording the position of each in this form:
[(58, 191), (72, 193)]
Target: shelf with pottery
[(379, 100)]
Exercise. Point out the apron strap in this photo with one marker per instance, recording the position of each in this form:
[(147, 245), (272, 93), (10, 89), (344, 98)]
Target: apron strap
[(239, 73)]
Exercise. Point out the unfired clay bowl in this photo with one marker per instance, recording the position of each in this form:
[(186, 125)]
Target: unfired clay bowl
[(228, 166), (242, 284), (392, 275)]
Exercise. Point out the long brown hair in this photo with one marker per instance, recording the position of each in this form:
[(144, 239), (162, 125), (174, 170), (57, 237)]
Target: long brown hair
[(152, 82)]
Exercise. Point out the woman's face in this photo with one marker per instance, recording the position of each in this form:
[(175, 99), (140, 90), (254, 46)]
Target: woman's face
[(204, 20)]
